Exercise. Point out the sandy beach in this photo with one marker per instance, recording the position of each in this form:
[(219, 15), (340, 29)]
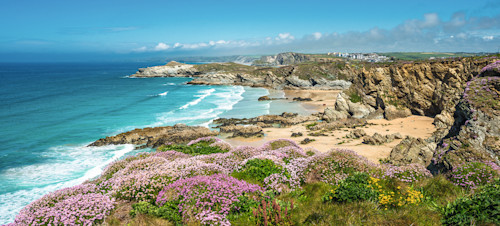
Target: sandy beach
[(415, 126)]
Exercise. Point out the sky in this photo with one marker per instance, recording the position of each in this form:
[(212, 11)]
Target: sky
[(60, 30)]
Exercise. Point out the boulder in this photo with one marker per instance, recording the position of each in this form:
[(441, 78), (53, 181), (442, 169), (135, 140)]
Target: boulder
[(301, 99), (358, 110), (355, 134), (412, 150), (391, 112), (263, 98), (331, 115)]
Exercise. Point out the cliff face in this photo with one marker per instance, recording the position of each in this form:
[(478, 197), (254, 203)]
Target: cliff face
[(302, 76), (475, 134), (426, 88), (282, 59), (172, 69)]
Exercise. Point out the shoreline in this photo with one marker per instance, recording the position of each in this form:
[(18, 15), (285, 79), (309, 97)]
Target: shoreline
[(414, 126)]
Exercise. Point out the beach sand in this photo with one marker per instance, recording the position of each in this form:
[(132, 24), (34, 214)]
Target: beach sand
[(415, 126)]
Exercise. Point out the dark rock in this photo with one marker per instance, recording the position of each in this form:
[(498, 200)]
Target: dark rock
[(264, 98), (301, 99), (307, 141), (299, 134), (157, 136)]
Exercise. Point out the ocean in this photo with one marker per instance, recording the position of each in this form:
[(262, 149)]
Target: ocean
[(50, 112)]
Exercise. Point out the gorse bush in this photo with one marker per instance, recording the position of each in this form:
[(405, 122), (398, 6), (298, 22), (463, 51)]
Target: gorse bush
[(473, 174), (353, 188), (483, 207)]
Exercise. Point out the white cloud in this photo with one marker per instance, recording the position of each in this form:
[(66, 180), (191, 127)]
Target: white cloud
[(430, 33), (488, 37), (161, 46), (317, 35), (284, 37)]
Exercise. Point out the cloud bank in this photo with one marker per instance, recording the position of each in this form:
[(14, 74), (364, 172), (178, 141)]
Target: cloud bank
[(458, 34)]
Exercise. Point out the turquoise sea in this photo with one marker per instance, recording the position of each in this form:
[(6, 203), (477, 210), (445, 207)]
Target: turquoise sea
[(50, 112)]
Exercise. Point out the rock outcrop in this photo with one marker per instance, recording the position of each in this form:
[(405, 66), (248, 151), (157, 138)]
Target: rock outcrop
[(172, 69), (283, 120), (475, 134), (243, 131), (412, 150), (157, 136), (378, 139)]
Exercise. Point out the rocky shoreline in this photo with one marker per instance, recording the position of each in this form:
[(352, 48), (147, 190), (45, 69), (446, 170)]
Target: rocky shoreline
[(392, 91)]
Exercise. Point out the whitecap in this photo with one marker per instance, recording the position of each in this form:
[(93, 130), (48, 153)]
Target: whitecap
[(204, 94), (72, 165)]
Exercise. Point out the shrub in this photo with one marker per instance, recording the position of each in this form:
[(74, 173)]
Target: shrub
[(336, 165), (480, 208), (473, 174), (208, 199), (408, 173), (277, 144), (392, 195), (353, 188), (79, 205), (169, 211), (257, 170)]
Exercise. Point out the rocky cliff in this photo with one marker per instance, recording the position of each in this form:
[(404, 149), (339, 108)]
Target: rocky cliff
[(302, 76), (475, 134), (282, 59)]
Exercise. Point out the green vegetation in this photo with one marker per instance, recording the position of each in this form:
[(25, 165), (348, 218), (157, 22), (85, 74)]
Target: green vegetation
[(423, 55), (256, 170), (354, 97), (480, 208), (169, 211), (353, 188), (309, 126), (200, 148)]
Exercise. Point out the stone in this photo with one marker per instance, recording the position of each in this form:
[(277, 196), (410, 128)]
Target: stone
[(358, 110), (157, 136), (355, 134), (412, 150), (301, 99), (391, 112), (264, 98), (307, 141), (330, 115)]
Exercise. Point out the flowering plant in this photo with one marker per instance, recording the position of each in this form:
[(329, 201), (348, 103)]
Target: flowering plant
[(207, 198)]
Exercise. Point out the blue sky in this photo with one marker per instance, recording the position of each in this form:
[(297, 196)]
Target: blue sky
[(139, 29)]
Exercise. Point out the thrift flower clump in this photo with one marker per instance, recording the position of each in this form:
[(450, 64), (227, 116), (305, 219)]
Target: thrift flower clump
[(80, 205), (207, 198)]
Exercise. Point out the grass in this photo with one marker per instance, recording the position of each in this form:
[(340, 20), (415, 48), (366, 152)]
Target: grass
[(310, 209), (423, 55)]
